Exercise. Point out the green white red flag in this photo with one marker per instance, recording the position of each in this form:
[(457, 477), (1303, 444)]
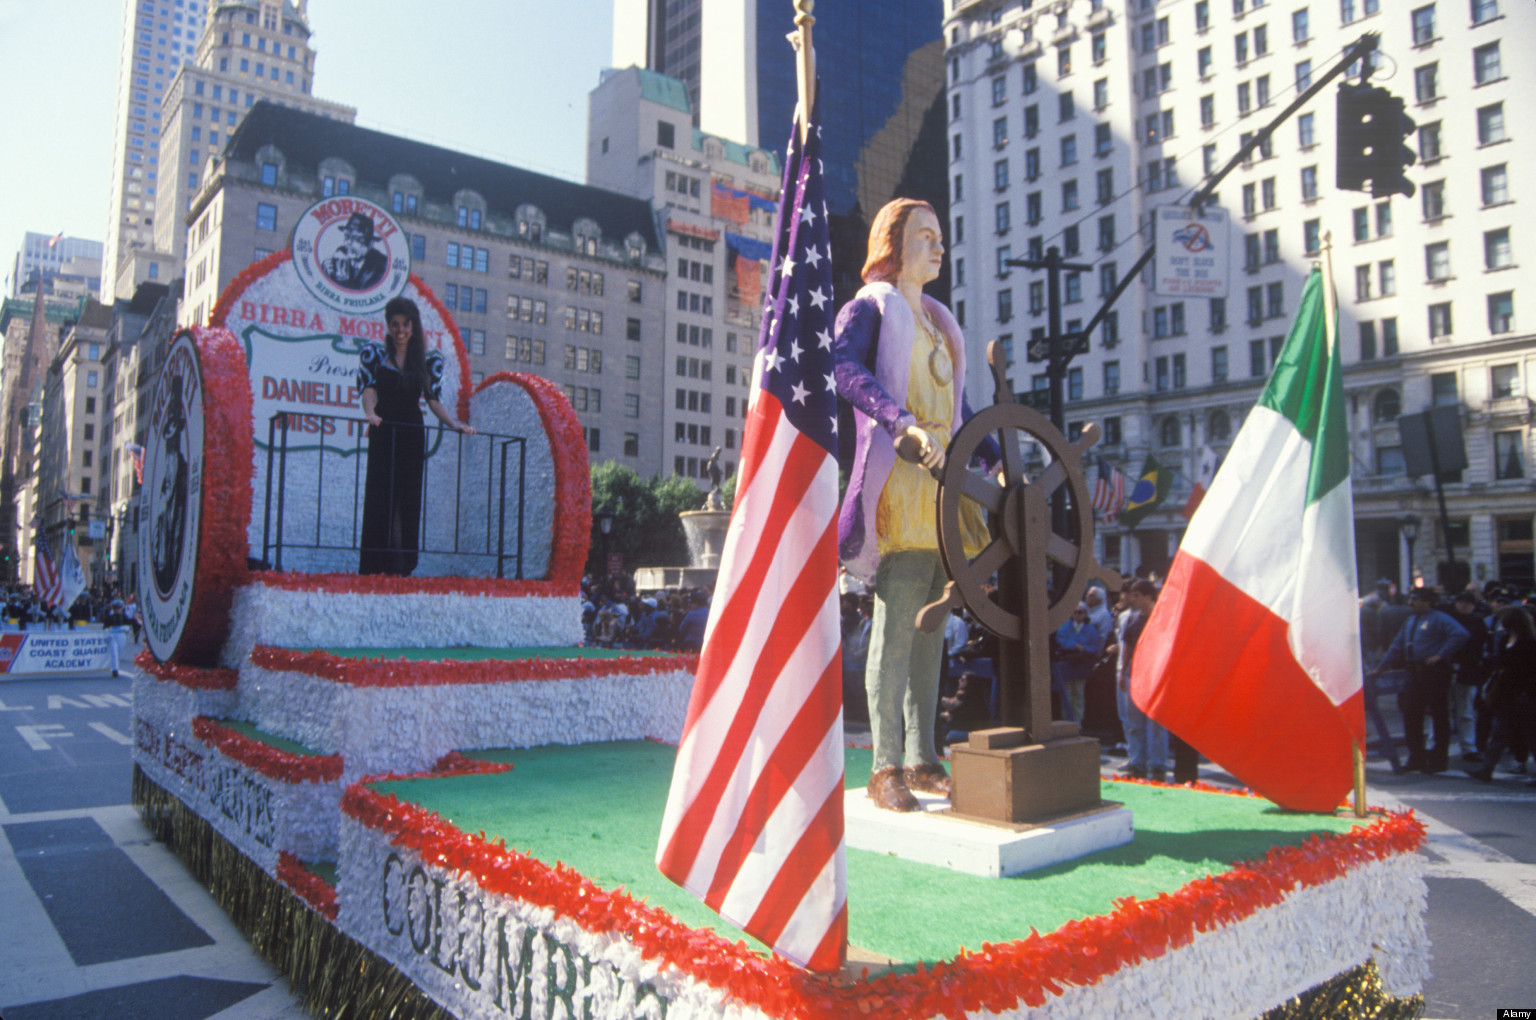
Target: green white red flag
[(1252, 654)]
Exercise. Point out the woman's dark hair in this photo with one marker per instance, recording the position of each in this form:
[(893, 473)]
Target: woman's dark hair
[(416, 349), (1517, 621)]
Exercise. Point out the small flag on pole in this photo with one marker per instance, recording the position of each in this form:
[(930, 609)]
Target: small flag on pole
[(1148, 492), (1205, 474), (1109, 491), (754, 821), (136, 454), (1252, 654), (46, 573)]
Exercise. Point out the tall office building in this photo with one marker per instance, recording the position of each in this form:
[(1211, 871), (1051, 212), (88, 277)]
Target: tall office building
[(1071, 122), (716, 202), (158, 37), (252, 50), (882, 93)]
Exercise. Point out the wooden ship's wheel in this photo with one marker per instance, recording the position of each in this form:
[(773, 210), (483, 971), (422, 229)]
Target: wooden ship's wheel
[(1025, 550)]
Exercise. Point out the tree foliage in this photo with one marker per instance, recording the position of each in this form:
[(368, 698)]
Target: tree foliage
[(646, 529)]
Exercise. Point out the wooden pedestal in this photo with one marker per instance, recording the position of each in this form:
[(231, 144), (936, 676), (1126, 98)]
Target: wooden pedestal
[(997, 777)]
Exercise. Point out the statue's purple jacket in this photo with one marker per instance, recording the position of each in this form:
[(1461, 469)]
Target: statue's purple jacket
[(872, 352)]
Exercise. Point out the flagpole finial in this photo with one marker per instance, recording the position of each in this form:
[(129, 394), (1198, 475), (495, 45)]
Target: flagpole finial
[(805, 64)]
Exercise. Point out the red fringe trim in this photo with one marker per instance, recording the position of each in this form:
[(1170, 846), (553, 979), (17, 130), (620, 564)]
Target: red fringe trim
[(998, 978), (451, 764), (307, 885), (198, 677), (399, 673), (226, 494), (572, 532), (283, 766)]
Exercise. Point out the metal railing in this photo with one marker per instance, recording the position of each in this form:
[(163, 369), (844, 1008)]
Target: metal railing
[(299, 468)]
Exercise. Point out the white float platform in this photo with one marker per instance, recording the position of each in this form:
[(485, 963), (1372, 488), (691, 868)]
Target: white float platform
[(935, 836)]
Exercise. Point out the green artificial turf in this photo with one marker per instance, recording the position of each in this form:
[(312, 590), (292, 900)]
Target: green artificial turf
[(271, 740), (598, 809), (478, 654)]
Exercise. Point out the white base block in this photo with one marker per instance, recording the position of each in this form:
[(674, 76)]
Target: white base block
[(944, 840)]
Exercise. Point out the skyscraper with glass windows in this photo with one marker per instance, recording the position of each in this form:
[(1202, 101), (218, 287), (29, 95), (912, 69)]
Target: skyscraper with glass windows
[(158, 37), (882, 94)]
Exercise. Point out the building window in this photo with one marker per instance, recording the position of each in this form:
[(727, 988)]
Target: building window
[(1440, 320), (1433, 200), (1170, 432), (1424, 25), (1429, 142), (1496, 251), (1386, 272), (1486, 64), (1508, 455), (1504, 379), (1312, 236), (1306, 131), (1490, 124), (1501, 312), (266, 216), (1495, 183), (1437, 260), (1309, 183)]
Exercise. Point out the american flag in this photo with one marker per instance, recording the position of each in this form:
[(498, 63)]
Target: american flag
[(1108, 491), (136, 454), (754, 821), (49, 586)]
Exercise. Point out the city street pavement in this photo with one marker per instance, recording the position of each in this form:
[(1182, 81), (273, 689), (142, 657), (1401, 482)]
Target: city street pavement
[(97, 920)]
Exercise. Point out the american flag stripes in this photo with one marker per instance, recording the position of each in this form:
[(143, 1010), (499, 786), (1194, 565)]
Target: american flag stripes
[(46, 581), (754, 821), (1108, 491)]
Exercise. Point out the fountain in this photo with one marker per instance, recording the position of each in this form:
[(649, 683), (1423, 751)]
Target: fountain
[(705, 531)]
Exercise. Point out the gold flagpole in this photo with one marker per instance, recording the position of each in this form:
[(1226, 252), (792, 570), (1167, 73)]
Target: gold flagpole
[(1330, 330), (805, 66)]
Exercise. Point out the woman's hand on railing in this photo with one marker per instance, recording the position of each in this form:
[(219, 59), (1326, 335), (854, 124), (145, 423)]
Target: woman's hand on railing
[(372, 418), (463, 429)]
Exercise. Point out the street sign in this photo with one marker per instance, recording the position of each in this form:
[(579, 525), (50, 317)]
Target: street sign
[(615, 564), (1073, 344), (1040, 400), (1193, 252), (96, 530)]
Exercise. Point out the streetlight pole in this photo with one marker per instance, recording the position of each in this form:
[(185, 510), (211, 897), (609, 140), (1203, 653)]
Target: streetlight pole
[(1059, 350), (1408, 524)]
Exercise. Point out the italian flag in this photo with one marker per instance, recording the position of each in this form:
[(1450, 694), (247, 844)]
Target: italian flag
[(1252, 653)]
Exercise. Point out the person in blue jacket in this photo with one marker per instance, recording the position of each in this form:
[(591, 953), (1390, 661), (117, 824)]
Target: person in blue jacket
[(1425, 647)]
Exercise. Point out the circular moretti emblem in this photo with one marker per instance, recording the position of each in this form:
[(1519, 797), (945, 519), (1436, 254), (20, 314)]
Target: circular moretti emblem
[(351, 254), (172, 498)]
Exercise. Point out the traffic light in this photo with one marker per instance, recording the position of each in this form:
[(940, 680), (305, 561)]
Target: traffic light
[(1371, 129)]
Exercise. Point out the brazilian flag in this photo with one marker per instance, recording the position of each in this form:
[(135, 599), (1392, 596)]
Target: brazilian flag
[(1148, 492)]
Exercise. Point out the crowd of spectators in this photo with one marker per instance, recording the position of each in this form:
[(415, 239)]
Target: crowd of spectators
[(614, 615), (1465, 662), (103, 606)]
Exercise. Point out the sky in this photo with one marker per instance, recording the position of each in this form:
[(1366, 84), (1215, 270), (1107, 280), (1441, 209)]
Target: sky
[(505, 79)]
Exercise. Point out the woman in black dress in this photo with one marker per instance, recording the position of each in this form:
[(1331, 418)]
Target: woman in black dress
[(393, 376)]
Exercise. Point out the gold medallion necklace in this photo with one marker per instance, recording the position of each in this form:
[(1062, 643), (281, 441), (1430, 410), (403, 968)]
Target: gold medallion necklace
[(939, 364)]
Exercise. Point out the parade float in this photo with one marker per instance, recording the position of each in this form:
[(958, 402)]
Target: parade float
[(423, 797)]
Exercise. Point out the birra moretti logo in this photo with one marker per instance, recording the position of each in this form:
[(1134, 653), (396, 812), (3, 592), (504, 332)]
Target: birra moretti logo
[(351, 254), (171, 498)]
